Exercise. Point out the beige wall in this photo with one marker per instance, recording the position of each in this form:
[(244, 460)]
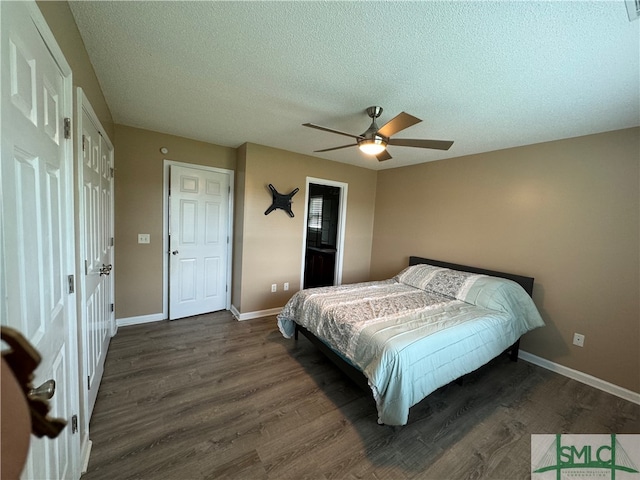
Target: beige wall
[(63, 25), (565, 212), (268, 248), (138, 209)]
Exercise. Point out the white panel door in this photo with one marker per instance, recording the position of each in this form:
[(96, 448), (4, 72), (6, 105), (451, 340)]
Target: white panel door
[(95, 207), (37, 245), (199, 241)]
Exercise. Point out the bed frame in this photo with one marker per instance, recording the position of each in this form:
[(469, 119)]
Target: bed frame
[(358, 377)]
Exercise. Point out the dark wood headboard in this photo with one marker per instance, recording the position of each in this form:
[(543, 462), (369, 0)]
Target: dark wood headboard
[(525, 282)]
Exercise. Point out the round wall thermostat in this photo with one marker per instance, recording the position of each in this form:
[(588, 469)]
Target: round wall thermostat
[(164, 150)]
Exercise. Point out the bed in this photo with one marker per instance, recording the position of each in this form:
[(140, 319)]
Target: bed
[(404, 337)]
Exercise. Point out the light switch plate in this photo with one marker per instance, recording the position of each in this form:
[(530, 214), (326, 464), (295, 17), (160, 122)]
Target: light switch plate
[(144, 238)]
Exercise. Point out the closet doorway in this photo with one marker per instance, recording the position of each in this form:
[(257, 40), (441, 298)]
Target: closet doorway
[(324, 233)]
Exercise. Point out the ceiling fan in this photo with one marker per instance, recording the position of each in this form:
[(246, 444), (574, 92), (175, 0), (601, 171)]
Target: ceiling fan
[(375, 139)]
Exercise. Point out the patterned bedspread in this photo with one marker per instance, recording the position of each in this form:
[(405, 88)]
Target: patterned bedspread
[(416, 332)]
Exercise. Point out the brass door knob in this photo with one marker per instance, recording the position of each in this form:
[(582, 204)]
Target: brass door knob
[(44, 391)]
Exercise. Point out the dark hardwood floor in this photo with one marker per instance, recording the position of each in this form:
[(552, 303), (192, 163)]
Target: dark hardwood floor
[(211, 397)]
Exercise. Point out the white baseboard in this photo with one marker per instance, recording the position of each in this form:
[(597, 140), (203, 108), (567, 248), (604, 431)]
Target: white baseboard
[(125, 322), (256, 314), (581, 377), (86, 452), (156, 317)]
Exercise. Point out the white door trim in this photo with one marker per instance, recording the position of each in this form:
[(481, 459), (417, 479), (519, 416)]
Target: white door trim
[(165, 228), (342, 220)]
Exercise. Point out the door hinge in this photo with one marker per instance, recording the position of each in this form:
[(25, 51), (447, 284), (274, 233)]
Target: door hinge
[(67, 128), (88, 382), (72, 284), (84, 141), (111, 242), (74, 424), (113, 173), (113, 307), (86, 267)]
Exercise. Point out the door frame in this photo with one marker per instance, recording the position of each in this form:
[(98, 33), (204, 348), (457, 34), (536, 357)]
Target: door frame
[(83, 105), (342, 220), (165, 228)]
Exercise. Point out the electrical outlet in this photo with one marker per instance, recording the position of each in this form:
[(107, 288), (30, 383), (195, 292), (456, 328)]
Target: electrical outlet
[(578, 339), (286, 286), (274, 287), (144, 238)]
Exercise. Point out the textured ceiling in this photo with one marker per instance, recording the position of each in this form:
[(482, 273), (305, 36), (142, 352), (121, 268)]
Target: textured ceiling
[(488, 75)]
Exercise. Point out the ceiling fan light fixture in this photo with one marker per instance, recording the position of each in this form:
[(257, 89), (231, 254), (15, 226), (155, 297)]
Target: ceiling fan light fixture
[(372, 146), (375, 139)]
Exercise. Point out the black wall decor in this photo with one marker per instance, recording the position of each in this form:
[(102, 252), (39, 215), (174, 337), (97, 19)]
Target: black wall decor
[(281, 201)]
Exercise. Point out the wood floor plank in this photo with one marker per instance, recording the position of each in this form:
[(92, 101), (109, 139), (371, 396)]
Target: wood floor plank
[(210, 397)]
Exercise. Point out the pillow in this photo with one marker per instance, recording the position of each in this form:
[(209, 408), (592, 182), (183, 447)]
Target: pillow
[(502, 295), (485, 291), (443, 281), (416, 276)]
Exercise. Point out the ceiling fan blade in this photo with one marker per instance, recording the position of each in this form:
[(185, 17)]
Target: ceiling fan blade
[(336, 148), (399, 122), (409, 142), (331, 130), (382, 156)]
